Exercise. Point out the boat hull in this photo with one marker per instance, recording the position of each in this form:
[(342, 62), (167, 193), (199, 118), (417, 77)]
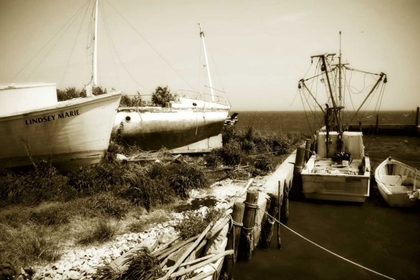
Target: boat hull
[(395, 180), (171, 128), (340, 187), (339, 180), (70, 134)]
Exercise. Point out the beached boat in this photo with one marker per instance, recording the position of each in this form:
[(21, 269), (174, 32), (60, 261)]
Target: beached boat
[(338, 169), (34, 126), (185, 121), (398, 183)]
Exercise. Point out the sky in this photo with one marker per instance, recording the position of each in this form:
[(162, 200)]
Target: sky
[(257, 50)]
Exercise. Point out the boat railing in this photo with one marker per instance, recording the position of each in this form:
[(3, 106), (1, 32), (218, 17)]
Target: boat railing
[(205, 97)]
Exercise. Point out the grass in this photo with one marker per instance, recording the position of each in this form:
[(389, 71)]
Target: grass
[(43, 210)]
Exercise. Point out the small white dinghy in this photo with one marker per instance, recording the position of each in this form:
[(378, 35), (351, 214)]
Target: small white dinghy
[(398, 183)]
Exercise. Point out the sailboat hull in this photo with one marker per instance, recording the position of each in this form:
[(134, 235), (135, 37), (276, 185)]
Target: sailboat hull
[(171, 128), (71, 133)]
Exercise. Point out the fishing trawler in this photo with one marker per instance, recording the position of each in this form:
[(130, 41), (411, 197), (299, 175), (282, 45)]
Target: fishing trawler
[(338, 169)]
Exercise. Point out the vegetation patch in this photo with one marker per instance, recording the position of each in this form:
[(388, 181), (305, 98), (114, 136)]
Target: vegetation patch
[(100, 232), (193, 223), (40, 207)]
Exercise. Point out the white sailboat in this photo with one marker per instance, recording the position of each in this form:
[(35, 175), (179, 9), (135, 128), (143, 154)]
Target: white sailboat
[(339, 169), (184, 121), (71, 133)]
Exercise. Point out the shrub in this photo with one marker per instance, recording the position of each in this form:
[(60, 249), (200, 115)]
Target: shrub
[(228, 134), (185, 178), (263, 163), (141, 190), (39, 184), (247, 146), (278, 144), (231, 153), (98, 178), (134, 101), (211, 159)]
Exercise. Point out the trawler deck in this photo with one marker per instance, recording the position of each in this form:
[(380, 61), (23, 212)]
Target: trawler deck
[(328, 166)]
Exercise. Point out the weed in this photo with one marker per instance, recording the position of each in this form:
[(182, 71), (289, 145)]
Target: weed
[(52, 214), (194, 224), (142, 265), (191, 225), (28, 244), (101, 232), (108, 204)]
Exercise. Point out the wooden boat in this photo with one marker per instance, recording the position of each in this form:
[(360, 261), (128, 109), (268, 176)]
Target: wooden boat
[(185, 121), (398, 183), (71, 133), (339, 169), (34, 126)]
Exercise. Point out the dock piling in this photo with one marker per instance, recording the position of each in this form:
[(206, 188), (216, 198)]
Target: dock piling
[(279, 203), (247, 238)]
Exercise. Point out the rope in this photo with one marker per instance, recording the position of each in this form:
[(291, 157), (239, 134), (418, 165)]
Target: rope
[(70, 20), (325, 249), (135, 30), (108, 33)]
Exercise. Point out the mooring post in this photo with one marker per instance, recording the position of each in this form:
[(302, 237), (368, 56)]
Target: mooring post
[(233, 238), (269, 225), (377, 124), (247, 238), (417, 117), (297, 179), (360, 126), (279, 215), (307, 149)]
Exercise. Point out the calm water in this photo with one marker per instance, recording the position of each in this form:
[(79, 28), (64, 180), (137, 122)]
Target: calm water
[(384, 239)]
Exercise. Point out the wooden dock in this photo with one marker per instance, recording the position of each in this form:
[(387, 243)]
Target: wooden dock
[(388, 129)]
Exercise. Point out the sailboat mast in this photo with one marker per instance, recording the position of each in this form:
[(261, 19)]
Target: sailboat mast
[(207, 62), (95, 47)]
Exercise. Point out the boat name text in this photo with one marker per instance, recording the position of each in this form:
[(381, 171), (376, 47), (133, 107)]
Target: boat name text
[(50, 118)]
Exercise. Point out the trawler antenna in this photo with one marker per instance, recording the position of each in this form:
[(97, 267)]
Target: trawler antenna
[(340, 101)]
